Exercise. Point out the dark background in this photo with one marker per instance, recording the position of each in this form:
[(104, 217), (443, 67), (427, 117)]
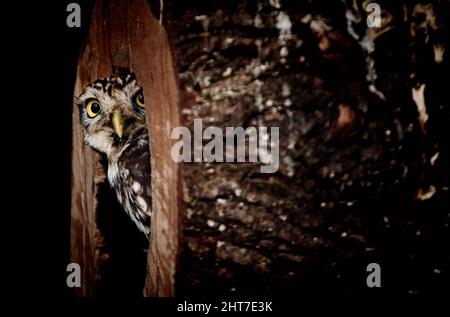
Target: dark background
[(41, 58)]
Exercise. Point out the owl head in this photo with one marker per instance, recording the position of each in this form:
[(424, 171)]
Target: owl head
[(112, 111)]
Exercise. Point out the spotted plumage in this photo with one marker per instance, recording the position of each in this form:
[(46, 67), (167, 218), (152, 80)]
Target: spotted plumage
[(113, 117)]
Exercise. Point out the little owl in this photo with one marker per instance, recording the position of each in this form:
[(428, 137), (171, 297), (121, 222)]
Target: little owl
[(113, 116)]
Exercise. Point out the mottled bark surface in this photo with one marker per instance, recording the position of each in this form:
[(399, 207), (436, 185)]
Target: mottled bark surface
[(352, 165)]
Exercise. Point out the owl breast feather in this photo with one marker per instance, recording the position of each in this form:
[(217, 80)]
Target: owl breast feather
[(129, 174)]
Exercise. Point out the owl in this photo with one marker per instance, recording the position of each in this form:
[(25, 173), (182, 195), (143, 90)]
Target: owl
[(112, 114)]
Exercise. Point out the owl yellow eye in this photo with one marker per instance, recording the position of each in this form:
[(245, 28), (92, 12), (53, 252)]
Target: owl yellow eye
[(92, 108), (139, 99)]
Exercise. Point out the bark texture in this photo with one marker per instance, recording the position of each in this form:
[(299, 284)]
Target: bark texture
[(352, 163)]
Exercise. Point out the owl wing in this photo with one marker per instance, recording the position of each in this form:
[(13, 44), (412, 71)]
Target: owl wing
[(135, 187)]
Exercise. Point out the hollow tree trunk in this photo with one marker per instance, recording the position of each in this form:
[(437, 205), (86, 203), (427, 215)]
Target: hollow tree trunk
[(125, 33)]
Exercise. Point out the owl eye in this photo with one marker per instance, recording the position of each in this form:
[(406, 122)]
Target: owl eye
[(92, 108), (139, 99)]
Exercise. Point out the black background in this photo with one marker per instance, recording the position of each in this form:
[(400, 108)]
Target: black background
[(38, 79)]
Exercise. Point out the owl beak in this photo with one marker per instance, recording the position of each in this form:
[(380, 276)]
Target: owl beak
[(117, 122)]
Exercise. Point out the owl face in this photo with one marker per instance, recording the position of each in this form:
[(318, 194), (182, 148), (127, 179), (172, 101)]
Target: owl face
[(112, 111)]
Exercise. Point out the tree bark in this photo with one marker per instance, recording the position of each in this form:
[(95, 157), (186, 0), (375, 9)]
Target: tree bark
[(352, 168)]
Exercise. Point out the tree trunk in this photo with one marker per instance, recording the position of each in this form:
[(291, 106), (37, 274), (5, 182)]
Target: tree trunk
[(125, 33), (349, 189)]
